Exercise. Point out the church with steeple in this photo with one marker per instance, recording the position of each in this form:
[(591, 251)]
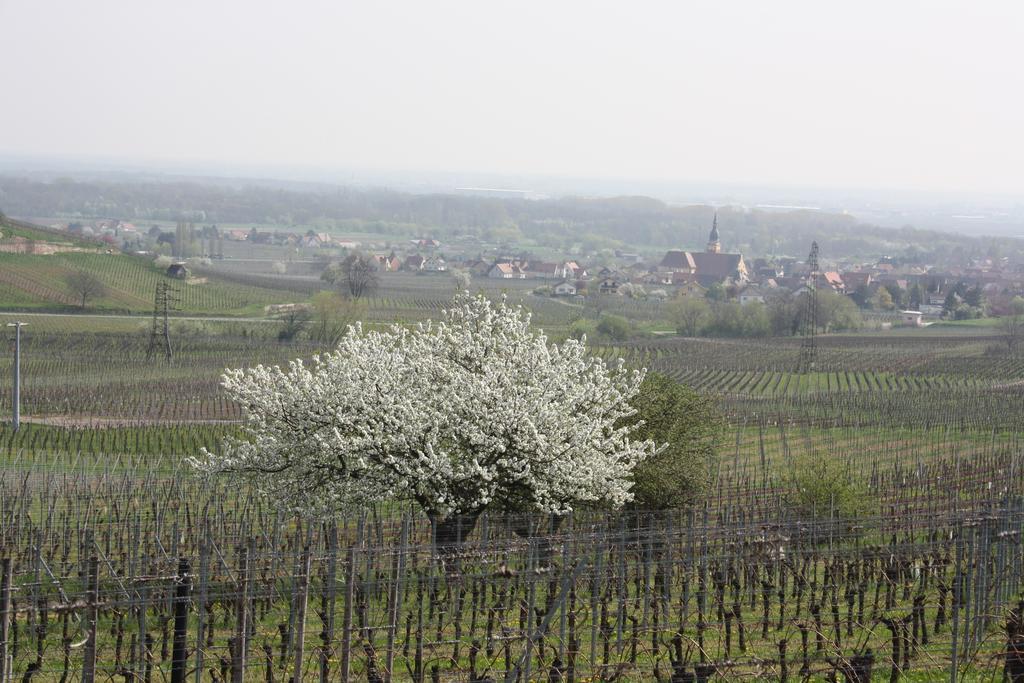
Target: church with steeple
[(708, 267)]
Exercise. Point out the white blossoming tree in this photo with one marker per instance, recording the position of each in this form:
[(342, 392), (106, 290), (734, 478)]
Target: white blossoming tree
[(471, 412)]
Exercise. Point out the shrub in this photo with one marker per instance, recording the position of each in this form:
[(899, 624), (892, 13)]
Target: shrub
[(614, 327), (633, 291), (966, 312), (581, 328), (730, 319), (822, 489), (691, 429), (689, 314)]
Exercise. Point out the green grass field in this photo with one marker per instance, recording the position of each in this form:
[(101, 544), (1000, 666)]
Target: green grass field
[(38, 282), (10, 228)]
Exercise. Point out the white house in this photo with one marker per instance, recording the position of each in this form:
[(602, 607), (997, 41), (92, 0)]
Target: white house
[(506, 271), (570, 269), (912, 318), (320, 239), (751, 295), (565, 288), (435, 265)]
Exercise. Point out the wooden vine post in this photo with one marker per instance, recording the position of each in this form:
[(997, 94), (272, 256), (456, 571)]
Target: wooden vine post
[(242, 618), (6, 569), (182, 593), (92, 609), (302, 600)]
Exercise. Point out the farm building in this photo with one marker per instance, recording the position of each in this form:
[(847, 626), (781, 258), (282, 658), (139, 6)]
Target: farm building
[(751, 295), (477, 266), (571, 269), (565, 288), (688, 286), (414, 262), (830, 280), (542, 269), (389, 263), (853, 280), (179, 271), (506, 271), (912, 318), (317, 240)]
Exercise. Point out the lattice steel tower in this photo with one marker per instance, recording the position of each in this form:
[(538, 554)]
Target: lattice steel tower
[(160, 333), (809, 314)]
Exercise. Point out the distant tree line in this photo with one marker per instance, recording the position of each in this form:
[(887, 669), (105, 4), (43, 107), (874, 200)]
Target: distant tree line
[(782, 314), (591, 223)]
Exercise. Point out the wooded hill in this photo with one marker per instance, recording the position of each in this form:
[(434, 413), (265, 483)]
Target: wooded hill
[(594, 223)]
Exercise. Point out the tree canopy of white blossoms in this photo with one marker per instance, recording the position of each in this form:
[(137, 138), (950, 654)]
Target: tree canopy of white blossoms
[(473, 411)]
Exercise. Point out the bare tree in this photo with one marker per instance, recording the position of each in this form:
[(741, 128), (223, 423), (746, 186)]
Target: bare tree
[(293, 322), (689, 313), (331, 317), (1012, 324), (84, 285), (461, 279), (1012, 327), (356, 275)]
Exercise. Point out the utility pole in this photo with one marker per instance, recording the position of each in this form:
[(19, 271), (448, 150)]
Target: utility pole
[(16, 398)]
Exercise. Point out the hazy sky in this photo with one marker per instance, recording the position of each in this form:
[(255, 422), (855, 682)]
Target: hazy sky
[(891, 94)]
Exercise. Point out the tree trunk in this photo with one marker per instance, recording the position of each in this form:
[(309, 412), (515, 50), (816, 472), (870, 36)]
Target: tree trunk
[(521, 526), (452, 531)]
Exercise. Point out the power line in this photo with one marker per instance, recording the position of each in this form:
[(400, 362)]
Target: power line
[(160, 332), (809, 317)]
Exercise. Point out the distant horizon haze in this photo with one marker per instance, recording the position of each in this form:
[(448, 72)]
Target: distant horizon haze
[(440, 180)]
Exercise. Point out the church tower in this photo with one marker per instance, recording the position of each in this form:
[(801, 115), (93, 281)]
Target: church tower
[(714, 244)]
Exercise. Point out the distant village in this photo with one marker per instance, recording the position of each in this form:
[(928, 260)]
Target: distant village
[(909, 291)]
